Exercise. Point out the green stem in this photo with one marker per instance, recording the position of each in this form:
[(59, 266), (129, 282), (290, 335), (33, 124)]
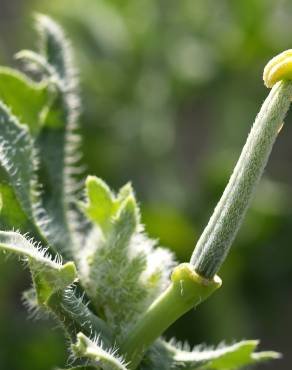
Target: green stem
[(186, 291), (214, 244)]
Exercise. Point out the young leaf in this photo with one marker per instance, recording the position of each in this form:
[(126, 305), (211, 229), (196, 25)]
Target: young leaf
[(119, 266), (93, 350), (109, 271), (100, 202)]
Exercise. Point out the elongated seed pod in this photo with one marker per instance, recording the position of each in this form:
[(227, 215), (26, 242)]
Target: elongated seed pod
[(214, 244)]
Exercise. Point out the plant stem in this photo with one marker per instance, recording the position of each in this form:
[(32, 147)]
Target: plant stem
[(186, 291), (214, 244)]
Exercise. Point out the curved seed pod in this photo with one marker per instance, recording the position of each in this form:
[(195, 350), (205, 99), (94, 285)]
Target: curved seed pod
[(279, 68)]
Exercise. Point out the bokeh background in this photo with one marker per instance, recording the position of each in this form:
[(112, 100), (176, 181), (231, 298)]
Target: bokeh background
[(170, 90)]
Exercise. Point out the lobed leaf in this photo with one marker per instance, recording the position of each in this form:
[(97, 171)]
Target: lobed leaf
[(107, 271), (100, 202), (119, 267)]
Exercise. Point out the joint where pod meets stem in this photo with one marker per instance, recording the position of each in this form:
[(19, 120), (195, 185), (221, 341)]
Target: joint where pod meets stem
[(186, 291)]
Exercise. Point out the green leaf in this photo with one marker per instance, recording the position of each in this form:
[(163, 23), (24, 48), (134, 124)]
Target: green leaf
[(125, 222), (118, 265), (238, 355), (110, 267), (49, 274), (100, 204), (58, 143), (19, 162), (34, 61), (27, 99), (50, 146), (54, 46), (94, 351), (18, 159), (11, 213), (230, 357)]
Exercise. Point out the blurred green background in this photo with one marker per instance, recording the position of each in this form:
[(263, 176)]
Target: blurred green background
[(170, 90)]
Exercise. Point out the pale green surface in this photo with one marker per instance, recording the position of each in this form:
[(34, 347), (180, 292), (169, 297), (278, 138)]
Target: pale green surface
[(215, 242)]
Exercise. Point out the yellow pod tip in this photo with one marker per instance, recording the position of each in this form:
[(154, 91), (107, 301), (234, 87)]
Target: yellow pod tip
[(278, 68)]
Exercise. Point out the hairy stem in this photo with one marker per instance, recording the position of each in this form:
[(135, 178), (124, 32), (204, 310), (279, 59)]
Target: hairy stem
[(186, 291), (214, 244)]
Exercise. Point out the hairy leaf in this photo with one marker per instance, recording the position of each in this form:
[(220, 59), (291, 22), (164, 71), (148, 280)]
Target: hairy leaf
[(107, 270), (54, 46), (33, 61), (119, 267), (18, 159), (230, 357), (19, 162), (58, 143), (49, 274), (93, 350), (100, 204)]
